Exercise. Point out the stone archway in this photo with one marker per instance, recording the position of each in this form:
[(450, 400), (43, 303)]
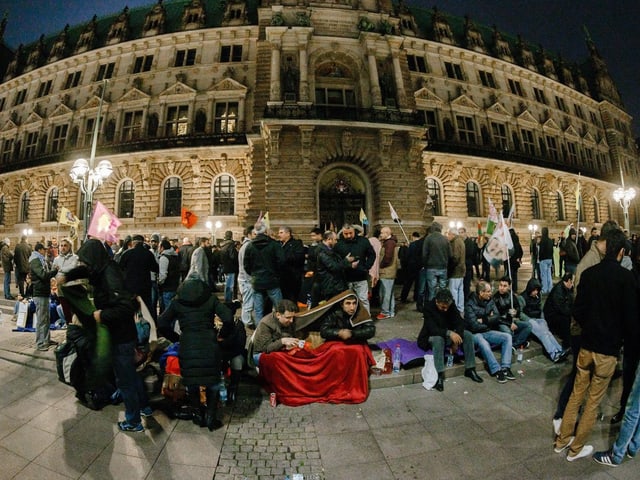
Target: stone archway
[(342, 191)]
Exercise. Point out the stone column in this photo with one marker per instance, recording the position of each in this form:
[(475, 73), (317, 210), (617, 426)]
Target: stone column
[(275, 92), (376, 95)]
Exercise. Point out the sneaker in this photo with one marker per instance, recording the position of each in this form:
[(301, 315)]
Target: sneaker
[(382, 316), (500, 376), (560, 356), (564, 447), (605, 458), (52, 343), (525, 345), (557, 423), (130, 427), (585, 452), (43, 348), (146, 412), (508, 374), (630, 455)]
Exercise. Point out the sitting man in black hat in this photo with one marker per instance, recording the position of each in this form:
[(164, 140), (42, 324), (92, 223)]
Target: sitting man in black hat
[(444, 327)]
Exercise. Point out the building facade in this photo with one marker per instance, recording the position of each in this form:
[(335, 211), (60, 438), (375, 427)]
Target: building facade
[(311, 110)]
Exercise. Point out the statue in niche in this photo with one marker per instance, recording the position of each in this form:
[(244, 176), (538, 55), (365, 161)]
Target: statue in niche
[(290, 76), (387, 86)]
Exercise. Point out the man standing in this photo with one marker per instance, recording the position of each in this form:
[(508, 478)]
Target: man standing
[(200, 261), (457, 268), (21, 256), (229, 259), (388, 270), (66, 260), (545, 259), (169, 274), (411, 267), (606, 309), (41, 277), (293, 265), (436, 252), (6, 255), (471, 252), (155, 289), (358, 250), (444, 327), (184, 254), (138, 263), (244, 279), (330, 268)]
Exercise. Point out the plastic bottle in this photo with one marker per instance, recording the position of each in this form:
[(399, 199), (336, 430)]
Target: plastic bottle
[(222, 390), (308, 301), (520, 354), (397, 359), (450, 359)]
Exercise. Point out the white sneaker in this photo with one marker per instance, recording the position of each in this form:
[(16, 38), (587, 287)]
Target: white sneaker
[(585, 452), (557, 423), (564, 447)]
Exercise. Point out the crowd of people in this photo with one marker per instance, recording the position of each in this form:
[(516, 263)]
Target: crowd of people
[(274, 278)]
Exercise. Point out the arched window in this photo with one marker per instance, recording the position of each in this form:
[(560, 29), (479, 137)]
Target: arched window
[(560, 206), (126, 197), (224, 195), (507, 199), (2, 205), (51, 215), (473, 200), (535, 204), (596, 210), (172, 196), (23, 217), (433, 196)]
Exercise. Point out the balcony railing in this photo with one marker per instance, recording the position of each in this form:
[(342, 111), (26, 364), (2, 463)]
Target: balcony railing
[(352, 114), (110, 148)]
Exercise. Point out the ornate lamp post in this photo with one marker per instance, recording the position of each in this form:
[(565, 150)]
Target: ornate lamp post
[(624, 196), (533, 228), (85, 175)]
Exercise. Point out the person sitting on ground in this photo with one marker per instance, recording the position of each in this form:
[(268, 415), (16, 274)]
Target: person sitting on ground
[(531, 304), (480, 314), (509, 309), (344, 323), (276, 331), (444, 327), (557, 309)]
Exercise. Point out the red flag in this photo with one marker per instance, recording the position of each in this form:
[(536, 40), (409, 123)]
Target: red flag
[(189, 219), (104, 224)]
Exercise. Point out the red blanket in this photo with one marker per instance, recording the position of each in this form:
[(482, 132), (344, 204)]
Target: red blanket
[(334, 372)]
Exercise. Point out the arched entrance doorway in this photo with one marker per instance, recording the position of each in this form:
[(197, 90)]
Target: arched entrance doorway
[(342, 192)]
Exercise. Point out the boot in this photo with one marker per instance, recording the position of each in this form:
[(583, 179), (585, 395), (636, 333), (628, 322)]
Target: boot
[(440, 383), (197, 410), (212, 411), (232, 392)]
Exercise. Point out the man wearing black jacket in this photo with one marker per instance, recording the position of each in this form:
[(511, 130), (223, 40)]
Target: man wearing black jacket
[(606, 307), (444, 327)]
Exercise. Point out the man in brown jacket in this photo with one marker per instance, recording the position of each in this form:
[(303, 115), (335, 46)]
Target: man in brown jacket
[(457, 268)]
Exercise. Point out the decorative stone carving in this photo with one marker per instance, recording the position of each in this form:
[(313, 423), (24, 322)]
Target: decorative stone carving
[(306, 137), (385, 140)]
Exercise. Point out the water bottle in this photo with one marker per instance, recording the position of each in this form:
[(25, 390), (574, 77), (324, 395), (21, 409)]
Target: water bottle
[(308, 301), (449, 359), (222, 389), (520, 354), (397, 359)]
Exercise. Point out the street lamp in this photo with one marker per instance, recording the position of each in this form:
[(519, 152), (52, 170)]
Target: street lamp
[(210, 226), (623, 197), (85, 175), (533, 228), (455, 224), (27, 232)]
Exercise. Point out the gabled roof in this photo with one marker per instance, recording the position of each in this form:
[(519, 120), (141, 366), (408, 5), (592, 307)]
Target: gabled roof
[(178, 88), (464, 101), (427, 95)]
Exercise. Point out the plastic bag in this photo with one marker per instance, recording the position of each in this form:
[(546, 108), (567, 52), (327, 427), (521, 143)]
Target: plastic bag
[(429, 373)]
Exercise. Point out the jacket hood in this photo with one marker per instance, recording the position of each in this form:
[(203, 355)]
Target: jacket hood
[(193, 292), (170, 253), (35, 255), (533, 284), (94, 255), (261, 241)]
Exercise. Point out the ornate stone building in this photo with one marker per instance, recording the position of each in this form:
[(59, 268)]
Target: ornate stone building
[(310, 110)]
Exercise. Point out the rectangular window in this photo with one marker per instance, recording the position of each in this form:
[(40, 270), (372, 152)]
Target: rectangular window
[(185, 58), (515, 87), (430, 124), (552, 147), (572, 150), (487, 79), (528, 141), (177, 121), (45, 88), (560, 104), (499, 132), (588, 153), (454, 70), (88, 131), (466, 132), (59, 138), (73, 79), (540, 96), (417, 64), (143, 64), (31, 145), (226, 117), (105, 71), (231, 53), (579, 111), (594, 119), (20, 97), (7, 150), (132, 126)]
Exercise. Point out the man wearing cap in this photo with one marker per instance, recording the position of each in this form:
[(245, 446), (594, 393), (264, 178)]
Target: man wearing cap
[(444, 327), (41, 276), (137, 264), (7, 265)]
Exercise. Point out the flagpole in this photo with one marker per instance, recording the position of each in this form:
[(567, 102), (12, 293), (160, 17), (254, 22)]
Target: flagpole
[(396, 219)]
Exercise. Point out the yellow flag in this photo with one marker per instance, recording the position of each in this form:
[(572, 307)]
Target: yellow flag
[(67, 218)]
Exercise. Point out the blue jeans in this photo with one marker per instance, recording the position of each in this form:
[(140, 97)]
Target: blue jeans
[(128, 381), (436, 278), (388, 303), (7, 285), (246, 290), (520, 334), (545, 275), (484, 342), (274, 294), (629, 436), (456, 285), (229, 282), (540, 330), (165, 300), (361, 287)]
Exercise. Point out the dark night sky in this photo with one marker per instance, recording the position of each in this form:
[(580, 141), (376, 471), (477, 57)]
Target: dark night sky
[(555, 24)]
